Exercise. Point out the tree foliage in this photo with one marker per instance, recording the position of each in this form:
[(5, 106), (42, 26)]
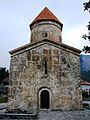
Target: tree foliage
[(87, 5), (3, 73), (86, 49)]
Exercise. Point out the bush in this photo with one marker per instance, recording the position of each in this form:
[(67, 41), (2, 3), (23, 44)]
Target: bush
[(85, 105), (3, 99)]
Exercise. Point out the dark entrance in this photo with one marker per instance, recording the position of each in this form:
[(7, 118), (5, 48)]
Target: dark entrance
[(44, 99)]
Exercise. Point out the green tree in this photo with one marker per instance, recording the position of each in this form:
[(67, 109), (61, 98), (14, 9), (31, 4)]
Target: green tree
[(86, 49), (3, 73)]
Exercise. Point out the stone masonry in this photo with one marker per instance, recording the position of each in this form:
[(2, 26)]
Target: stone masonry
[(45, 64)]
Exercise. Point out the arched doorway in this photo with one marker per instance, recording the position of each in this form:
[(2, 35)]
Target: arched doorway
[(44, 99)]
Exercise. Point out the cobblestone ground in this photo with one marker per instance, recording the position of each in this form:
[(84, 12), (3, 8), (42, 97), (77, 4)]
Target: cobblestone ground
[(66, 115), (56, 115)]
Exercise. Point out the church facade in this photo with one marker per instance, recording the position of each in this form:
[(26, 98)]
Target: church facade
[(45, 73)]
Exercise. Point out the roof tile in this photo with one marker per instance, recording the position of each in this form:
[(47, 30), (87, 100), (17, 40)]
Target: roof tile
[(46, 14)]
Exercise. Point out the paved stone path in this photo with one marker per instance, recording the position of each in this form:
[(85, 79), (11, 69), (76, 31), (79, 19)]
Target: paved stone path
[(66, 115), (54, 115)]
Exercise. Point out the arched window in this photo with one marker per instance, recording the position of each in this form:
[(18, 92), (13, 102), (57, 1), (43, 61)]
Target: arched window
[(44, 99), (44, 34)]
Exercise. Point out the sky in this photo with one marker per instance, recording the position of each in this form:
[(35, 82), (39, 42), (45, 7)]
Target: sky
[(16, 16)]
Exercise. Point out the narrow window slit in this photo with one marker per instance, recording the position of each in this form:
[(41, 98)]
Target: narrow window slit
[(45, 34), (45, 67)]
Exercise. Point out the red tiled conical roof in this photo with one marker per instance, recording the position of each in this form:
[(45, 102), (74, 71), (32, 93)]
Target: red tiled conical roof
[(46, 15)]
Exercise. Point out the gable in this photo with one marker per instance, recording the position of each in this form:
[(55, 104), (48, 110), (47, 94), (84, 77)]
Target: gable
[(45, 41)]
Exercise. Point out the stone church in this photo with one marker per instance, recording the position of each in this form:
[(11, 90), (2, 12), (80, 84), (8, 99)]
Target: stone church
[(45, 73)]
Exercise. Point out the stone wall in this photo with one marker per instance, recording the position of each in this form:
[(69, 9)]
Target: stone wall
[(52, 29), (27, 78)]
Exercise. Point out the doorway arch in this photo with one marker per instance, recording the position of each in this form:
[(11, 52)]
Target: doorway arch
[(44, 99)]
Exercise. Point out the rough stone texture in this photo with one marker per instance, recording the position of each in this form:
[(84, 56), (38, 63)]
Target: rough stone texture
[(52, 29), (27, 78), (66, 115), (49, 115)]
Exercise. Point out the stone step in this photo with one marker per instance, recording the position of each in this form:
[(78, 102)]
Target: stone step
[(49, 115), (9, 116)]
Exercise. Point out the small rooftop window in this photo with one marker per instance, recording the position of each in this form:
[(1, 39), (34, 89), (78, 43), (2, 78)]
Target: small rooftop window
[(45, 34)]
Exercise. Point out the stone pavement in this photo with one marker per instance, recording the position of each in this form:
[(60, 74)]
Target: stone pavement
[(52, 115), (66, 115)]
